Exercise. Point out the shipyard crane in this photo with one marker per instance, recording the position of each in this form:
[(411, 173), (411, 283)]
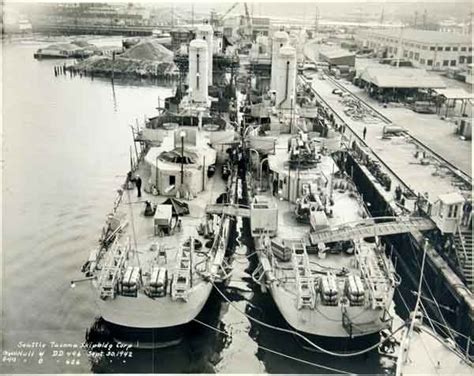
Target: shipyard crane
[(228, 11), (316, 21), (217, 21), (249, 31)]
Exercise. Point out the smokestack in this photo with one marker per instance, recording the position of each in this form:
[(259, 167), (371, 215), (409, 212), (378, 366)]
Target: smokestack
[(198, 71), (206, 33), (280, 38)]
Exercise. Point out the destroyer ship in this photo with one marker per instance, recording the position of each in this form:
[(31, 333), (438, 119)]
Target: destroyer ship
[(443, 357), (159, 252), (301, 202), (428, 346)]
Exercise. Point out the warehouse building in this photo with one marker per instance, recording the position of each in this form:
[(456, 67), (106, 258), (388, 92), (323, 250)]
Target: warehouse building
[(424, 48), (337, 56)]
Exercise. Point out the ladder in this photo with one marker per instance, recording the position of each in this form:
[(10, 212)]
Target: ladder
[(306, 296), (464, 251), (232, 210), (369, 228), (110, 272), (182, 276), (374, 276)]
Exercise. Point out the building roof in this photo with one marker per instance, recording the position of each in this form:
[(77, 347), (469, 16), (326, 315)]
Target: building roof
[(451, 198), (455, 93), (403, 77), (335, 52), (424, 36)]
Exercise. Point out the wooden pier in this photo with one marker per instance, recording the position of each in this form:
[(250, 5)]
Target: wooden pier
[(76, 29)]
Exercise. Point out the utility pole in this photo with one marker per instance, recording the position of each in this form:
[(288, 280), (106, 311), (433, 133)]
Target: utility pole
[(192, 14), (416, 20), (399, 49)]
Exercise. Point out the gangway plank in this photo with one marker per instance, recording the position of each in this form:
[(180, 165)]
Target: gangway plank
[(370, 228), (228, 209)]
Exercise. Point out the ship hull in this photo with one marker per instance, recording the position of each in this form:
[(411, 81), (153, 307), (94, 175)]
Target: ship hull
[(152, 323), (327, 321), (145, 313), (148, 338)]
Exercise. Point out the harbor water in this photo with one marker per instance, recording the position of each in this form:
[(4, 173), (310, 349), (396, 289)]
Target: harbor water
[(66, 145)]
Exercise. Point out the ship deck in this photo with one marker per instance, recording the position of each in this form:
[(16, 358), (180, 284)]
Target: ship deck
[(327, 320), (348, 208), (143, 227), (429, 354), (144, 311), (134, 206)]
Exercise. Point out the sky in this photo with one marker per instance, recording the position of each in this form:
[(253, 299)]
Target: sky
[(248, 1)]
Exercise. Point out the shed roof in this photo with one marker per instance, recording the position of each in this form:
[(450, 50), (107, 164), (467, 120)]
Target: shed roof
[(335, 52), (455, 93), (451, 198), (402, 77)]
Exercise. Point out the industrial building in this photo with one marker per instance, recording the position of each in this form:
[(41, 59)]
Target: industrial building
[(260, 25), (337, 56), (432, 50)]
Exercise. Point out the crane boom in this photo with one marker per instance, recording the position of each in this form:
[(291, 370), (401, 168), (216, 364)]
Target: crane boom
[(221, 18), (249, 22)]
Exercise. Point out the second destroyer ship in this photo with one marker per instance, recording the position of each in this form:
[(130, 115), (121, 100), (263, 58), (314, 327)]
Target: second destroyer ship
[(302, 199)]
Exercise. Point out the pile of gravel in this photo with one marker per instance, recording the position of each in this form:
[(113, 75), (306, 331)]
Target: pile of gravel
[(148, 50)]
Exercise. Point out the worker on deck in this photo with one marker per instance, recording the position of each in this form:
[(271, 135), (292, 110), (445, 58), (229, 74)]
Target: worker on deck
[(466, 213), (364, 132), (138, 184)]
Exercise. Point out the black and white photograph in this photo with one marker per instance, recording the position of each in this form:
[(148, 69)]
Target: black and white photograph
[(219, 187)]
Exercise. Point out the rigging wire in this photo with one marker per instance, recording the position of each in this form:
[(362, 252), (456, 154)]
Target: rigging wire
[(455, 347), (432, 295), (321, 349), (418, 299), (133, 226), (278, 352), (403, 300), (425, 313)]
